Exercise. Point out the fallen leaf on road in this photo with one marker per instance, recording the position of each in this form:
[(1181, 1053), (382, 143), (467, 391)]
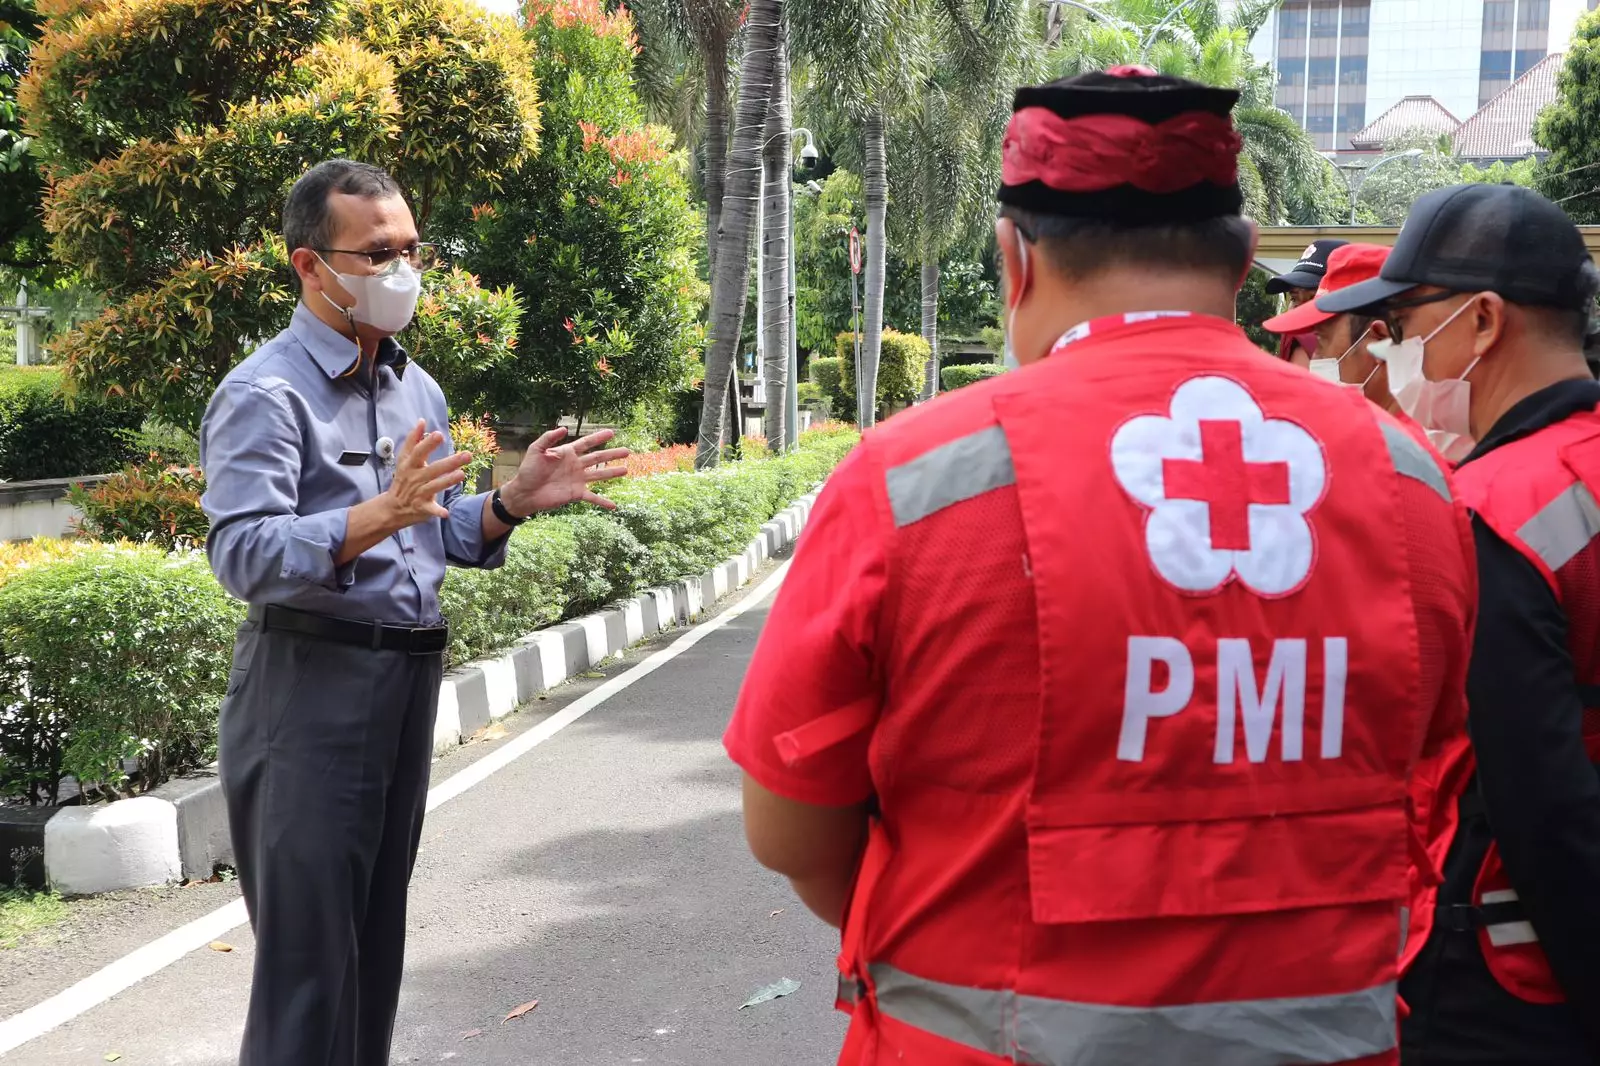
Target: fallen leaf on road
[(778, 989), (520, 1011), (775, 913), (592, 674), (470, 1033), (113, 1056), (217, 945), (491, 732)]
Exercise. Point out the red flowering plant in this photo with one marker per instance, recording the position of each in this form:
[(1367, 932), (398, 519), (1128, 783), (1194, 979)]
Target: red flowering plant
[(597, 233), (463, 332)]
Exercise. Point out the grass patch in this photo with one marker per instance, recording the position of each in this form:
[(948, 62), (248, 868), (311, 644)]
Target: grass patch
[(23, 912)]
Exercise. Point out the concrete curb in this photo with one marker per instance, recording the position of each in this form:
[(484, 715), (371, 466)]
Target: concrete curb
[(181, 828)]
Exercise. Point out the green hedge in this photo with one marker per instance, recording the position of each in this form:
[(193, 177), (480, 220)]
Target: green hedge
[(119, 653), (902, 362), (953, 377), (827, 373), (44, 434), (665, 527), (122, 652)]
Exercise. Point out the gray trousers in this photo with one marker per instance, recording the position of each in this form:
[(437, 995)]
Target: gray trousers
[(324, 754)]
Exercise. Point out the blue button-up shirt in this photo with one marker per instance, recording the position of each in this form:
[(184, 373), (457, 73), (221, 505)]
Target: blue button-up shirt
[(279, 497)]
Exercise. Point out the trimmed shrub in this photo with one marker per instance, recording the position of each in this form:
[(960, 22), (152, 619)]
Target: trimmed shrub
[(151, 503), (953, 377), (119, 654), (111, 653), (902, 362), (46, 434), (827, 372)]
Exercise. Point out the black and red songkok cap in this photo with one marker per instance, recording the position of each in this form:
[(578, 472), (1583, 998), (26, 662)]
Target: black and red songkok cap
[(1125, 145)]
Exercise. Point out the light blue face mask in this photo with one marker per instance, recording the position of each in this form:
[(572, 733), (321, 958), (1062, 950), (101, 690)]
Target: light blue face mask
[(1010, 356)]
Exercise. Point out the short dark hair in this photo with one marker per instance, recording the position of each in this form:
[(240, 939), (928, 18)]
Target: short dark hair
[(307, 222), (1559, 323), (1079, 247)]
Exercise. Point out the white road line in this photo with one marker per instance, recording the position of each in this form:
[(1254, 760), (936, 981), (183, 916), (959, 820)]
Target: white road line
[(157, 955)]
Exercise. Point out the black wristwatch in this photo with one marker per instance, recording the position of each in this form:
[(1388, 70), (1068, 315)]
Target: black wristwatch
[(498, 506)]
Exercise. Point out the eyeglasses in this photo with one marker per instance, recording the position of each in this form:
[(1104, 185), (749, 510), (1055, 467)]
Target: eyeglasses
[(1393, 324), (419, 257)]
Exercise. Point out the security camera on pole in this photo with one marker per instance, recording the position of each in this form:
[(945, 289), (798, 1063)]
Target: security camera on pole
[(791, 421)]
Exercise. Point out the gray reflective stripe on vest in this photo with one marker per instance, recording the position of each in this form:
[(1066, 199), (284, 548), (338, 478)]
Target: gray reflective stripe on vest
[(1413, 461), (965, 467), (1506, 934), (1563, 527), (1052, 1032)]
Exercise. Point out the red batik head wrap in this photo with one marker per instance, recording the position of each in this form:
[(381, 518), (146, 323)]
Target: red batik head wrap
[(1124, 145)]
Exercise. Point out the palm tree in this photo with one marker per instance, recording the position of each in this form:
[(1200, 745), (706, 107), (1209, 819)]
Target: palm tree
[(1280, 165), (944, 160), (682, 74), (730, 271), (866, 58), (775, 238)]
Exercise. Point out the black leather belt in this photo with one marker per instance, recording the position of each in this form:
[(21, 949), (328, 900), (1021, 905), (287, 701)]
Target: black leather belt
[(414, 640)]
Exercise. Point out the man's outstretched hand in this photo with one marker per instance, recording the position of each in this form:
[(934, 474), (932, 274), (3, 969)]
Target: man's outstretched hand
[(554, 474)]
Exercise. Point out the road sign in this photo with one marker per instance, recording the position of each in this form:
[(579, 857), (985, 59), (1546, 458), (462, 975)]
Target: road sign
[(855, 251)]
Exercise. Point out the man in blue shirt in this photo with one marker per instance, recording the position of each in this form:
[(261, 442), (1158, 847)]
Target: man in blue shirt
[(336, 501)]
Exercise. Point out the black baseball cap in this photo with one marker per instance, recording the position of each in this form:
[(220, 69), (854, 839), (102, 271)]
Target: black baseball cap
[(1482, 238), (1307, 274)]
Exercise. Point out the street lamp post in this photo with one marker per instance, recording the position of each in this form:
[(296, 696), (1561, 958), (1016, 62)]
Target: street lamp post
[(1353, 188), (791, 392)]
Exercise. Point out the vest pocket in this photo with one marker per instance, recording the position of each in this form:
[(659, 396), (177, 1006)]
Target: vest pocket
[(1239, 865)]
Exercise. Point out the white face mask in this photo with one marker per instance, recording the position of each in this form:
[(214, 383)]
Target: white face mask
[(386, 301), (1011, 313), (1442, 408), (1328, 369)]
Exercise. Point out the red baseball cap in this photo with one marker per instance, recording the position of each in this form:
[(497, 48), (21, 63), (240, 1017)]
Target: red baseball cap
[(1347, 266)]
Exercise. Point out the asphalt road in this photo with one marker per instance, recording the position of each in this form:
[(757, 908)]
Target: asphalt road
[(603, 874)]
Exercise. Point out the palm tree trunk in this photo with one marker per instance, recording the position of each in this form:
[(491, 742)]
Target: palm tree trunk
[(775, 251), (930, 320), (716, 144), (877, 190), (730, 280)]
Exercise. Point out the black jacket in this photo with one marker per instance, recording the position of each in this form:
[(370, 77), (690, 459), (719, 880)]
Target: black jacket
[(1533, 774)]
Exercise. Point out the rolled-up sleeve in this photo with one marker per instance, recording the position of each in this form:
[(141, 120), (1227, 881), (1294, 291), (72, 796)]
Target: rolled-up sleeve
[(250, 452), (810, 701)]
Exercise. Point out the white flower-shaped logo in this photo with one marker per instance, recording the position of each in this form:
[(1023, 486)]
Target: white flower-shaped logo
[(1228, 489)]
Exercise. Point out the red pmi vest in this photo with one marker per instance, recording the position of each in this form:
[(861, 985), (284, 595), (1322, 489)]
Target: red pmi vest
[(1538, 494), (1208, 863)]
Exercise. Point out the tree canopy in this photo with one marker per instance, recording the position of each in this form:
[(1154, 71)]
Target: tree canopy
[(597, 234), (173, 129)]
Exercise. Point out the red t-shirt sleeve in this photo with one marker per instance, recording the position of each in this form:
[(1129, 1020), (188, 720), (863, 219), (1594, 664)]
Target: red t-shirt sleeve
[(815, 668)]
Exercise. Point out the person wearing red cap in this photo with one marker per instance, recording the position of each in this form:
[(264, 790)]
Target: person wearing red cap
[(1298, 287), (1087, 709), (1343, 339)]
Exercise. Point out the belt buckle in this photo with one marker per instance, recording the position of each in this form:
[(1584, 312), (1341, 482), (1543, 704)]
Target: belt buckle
[(429, 640), (1459, 917)]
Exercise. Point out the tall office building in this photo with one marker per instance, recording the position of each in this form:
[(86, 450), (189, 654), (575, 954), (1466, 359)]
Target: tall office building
[(1342, 63)]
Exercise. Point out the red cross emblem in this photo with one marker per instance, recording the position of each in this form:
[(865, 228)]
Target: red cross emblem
[(1226, 483)]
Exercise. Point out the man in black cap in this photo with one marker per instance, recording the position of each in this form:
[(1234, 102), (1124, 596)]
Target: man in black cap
[(1487, 295), (1086, 691), (1300, 285)]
